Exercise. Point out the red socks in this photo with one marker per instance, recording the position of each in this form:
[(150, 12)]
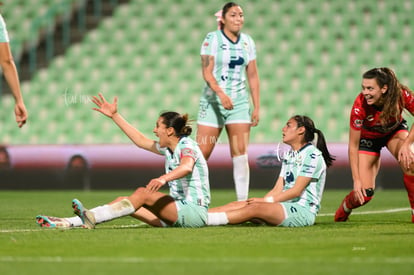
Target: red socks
[(351, 202), (409, 186)]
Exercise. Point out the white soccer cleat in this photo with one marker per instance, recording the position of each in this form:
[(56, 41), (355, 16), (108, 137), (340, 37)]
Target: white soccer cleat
[(52, 222), (87, 217)]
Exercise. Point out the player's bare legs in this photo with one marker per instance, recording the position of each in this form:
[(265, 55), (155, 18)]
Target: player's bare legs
[(368, 169), (207, 138), (394, 146), (228, 207)]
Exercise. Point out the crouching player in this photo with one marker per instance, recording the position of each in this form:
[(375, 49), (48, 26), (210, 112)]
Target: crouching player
[(376, 121)]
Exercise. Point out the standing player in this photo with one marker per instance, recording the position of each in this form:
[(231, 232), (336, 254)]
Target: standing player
[(10, 74), (295, 199), (186, 175), (376, 121), (227, 57)]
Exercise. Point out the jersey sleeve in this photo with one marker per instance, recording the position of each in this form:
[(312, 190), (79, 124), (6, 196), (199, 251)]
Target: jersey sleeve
[(408, 98), (357, 114), (160, 149), (4, 36), (252, 49), (312, 166), (209, 46), (187, 150)]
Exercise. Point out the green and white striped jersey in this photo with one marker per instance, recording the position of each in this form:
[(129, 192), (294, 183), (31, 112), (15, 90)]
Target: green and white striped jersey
[(307, 162), (230, 61), (4, 36), (194, 187)]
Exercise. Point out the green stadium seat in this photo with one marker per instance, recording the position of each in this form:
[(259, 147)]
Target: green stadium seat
[(310, 55)]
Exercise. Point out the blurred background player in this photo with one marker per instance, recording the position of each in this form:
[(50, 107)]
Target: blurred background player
[(376, 121), (295, 199), (10, 74), (227, 57), (186, 175)]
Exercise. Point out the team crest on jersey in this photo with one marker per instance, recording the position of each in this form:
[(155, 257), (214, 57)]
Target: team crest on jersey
[(206, 44)]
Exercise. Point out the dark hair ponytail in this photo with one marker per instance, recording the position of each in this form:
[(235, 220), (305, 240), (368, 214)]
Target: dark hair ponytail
[(310, 132), (178, 122)]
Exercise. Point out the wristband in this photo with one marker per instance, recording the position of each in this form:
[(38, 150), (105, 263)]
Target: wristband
[(269, 199)]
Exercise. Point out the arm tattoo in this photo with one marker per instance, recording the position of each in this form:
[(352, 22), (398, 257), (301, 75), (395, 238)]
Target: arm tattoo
[(205, 61)]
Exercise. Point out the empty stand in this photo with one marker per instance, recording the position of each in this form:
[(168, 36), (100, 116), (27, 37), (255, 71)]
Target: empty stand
[(311, 55)]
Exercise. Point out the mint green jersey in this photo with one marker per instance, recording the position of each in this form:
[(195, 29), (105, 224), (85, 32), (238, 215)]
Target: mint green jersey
[(4, 36), (307, 162), (194, 187), (230, 61)]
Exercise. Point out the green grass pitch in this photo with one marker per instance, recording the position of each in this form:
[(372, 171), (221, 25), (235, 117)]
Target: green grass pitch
[(379, 239)]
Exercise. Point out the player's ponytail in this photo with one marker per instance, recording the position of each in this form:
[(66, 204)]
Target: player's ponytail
[(178, 122), (314, 135)]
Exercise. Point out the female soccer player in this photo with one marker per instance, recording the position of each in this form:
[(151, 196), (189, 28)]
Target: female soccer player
[(10, 74), (376, 121), (295, 199), (227, 57), (186, 175)]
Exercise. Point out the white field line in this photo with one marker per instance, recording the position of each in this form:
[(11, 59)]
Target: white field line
[(370, 212), (43, 229), (186, 260)]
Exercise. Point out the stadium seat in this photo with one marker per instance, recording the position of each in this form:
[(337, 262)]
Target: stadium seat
[(311, 55)]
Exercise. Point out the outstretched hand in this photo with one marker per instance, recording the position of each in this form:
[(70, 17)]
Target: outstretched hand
[(106, 108)]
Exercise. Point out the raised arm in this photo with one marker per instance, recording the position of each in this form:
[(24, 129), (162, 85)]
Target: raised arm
[(111, 111)]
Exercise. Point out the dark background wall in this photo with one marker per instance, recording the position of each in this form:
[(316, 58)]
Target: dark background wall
[(125, 166)]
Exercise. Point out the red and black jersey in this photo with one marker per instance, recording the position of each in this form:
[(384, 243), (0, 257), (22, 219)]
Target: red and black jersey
[(366, 118)]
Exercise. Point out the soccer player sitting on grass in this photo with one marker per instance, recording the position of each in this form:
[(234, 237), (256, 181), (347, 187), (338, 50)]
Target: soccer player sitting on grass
[(186, 175), (295, 199)]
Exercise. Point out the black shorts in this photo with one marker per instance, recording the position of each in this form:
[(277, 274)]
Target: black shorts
[(374, 145)]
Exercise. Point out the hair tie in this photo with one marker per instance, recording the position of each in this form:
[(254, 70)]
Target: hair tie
[(219, 15), (315, 138)]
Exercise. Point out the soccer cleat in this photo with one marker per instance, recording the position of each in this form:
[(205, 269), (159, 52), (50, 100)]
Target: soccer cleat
[(341, 215), (52, 222), (87, 217)]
